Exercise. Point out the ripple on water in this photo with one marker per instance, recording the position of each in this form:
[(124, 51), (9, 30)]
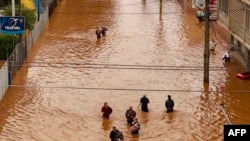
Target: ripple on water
[(56, 102)]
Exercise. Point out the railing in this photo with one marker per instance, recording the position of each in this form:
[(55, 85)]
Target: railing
[(3, 79), (20, 52), (15, 60)]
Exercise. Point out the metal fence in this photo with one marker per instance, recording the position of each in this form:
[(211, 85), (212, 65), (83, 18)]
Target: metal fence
[(35, 33), (14, 62), (3, 79), (16, 59), (21, 49)]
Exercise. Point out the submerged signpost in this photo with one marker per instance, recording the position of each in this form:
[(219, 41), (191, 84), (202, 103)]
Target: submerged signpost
[(12, 24)]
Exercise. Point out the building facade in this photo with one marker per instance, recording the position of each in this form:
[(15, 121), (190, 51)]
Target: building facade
[(234, 15)]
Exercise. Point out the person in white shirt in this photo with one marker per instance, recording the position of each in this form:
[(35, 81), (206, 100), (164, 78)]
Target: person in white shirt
[(212, 45), (226, 57)]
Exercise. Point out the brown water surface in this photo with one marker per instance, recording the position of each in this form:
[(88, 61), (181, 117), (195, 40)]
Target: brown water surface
[(58, 93)]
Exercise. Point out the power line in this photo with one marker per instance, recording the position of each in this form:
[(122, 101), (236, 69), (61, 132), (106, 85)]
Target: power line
[(108, 6), (125, 89), (130, 68), (109, 13), (104, 64), (94, 6), (80, 11), (117, 66)]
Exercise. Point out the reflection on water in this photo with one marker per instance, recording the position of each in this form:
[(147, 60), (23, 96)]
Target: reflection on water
[(58, 93), (106, 124)]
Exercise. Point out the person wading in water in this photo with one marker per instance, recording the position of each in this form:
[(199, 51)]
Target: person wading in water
[(106, 110), (98, 33), (169, 104), (144, 103), (130, 115), (104, 29)]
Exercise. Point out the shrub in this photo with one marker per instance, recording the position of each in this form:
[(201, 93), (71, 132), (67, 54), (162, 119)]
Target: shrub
[(7, 43)]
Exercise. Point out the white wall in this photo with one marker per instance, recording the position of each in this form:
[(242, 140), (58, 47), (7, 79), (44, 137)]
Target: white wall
[(3, 79)]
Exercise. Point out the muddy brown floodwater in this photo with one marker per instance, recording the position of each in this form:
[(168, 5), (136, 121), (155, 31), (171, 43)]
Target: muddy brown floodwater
[(58, 93)]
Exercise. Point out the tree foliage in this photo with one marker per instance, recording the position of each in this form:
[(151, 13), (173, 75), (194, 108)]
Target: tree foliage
[(6, 2), (7, 42)]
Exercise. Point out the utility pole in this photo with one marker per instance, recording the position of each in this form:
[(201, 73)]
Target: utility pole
[(38, 3), (20, 14), (20, 8), (160, 9), (13, 15), (160, 5), (13, 8), (206, 45)]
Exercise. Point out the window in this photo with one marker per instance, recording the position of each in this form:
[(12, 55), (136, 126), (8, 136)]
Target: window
[(223, 6), (239, 46), (248, 18)]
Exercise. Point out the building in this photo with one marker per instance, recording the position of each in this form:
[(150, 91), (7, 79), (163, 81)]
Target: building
[(234, 15), (233, 18)]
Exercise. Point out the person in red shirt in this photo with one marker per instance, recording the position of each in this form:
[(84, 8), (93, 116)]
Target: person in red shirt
[(106, 110)]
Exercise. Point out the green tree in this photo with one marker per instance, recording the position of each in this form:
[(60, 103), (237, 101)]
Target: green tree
[(6, 2), (7, 43), (3, 3), (29, 14)]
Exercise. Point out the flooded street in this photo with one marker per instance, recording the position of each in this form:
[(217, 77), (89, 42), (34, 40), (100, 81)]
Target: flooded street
[(58, 93)]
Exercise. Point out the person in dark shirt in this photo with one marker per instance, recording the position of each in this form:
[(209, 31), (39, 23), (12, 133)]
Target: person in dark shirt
[(130, 115), (106, 110), (103, 31), (169, 104), (119, 136), (98, 33), (144, 101), (116, 135)]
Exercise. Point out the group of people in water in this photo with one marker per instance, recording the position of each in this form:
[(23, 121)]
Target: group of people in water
[(100, 32), (132, 121), (130, 115)]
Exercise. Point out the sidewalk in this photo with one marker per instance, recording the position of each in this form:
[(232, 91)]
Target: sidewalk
[(224, 33), (221, 30)]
